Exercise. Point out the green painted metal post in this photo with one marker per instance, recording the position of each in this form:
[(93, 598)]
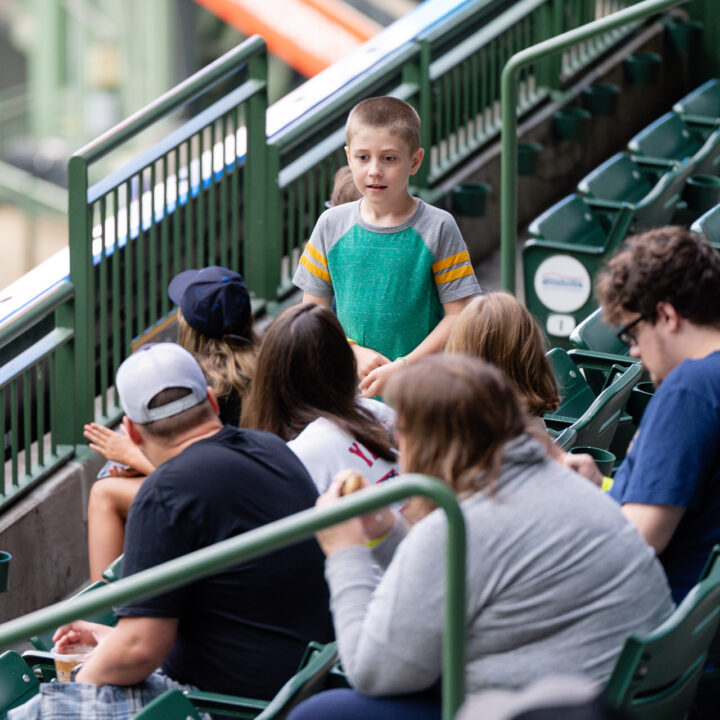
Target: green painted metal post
[(81, 265), (509, 94), (261, 253), (274, 536)]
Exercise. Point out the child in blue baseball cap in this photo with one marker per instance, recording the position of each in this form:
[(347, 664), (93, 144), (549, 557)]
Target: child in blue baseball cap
[(215, 324)]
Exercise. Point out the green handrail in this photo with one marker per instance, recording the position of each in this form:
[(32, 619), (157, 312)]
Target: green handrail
[(274, 536), (509, 100)]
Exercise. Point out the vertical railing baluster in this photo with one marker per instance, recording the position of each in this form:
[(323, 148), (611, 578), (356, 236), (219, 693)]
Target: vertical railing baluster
[(224, 180), (164, 221), (27, 420), (14, 432), (152, 254), (103, 300), (202, 235)]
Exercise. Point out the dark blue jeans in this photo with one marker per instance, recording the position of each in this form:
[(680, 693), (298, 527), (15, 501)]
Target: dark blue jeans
[(346, 704)]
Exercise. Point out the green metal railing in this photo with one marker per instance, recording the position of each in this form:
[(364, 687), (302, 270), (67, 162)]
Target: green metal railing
[(217, 190), (579, 37), (181, 204), (274, 536)]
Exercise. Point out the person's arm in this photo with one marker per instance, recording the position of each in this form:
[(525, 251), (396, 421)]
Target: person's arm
[(117, 447), (374, 382), (125, 654), (656, 523)]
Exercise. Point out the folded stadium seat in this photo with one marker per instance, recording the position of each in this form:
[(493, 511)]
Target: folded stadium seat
[(652, 192), (670, 138), (702, 105), (593, 333), (169, 706), (572, 240), (566, 439), (656, 676), (44, 641), (709, 223), (17, 682), (113, 571), (312, 677), (598, 424)]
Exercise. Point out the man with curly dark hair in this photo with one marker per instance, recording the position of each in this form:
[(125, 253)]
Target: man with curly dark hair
[(663, 289)]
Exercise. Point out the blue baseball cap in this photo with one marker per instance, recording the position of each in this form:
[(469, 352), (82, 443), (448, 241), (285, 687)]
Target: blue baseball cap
[(212, 300)]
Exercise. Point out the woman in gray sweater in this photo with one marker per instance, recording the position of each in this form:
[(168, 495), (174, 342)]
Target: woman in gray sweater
[(556, 577)]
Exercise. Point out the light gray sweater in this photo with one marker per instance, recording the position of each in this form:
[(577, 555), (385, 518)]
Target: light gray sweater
[(556, 580)]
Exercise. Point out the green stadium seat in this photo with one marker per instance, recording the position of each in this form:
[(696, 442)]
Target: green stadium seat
[(113, 571), (566, 439), (709, 224), (315, 667), (670, 138), (593, 333), (599, 423), (576, 396), (171, 705), (571, 242), (44, 641), (653, 193), (656, 676), (17, 682), (702, 105)]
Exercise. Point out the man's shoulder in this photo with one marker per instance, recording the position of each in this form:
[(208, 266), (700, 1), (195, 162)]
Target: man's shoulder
[(699, 377)]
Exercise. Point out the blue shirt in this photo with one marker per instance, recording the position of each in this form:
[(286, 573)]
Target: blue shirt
[(675, 460)]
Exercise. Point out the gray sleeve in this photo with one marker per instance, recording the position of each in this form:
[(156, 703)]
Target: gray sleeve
[(383, 553), (390, 637), (312, 273), (452, 270)]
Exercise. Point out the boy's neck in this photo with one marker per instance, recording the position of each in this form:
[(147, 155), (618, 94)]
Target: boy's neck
[(381, 216)]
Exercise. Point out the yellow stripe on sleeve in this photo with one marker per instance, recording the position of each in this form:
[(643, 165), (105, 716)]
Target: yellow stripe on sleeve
[(453, 274), (316, 255), (447, 262), (314, 269)]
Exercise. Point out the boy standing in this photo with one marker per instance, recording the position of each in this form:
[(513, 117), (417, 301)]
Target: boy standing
[(399, 268)]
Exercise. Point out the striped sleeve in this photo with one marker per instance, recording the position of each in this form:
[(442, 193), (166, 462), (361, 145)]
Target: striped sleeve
[(452, 269), (312, 274)]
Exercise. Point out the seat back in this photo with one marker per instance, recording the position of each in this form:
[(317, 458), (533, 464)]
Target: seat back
[(17, 682), (171, 705), (45, 642), (576, 396), (669, 137), (703, 102), (709, 223), (566, 439), (113, 571), (598, 424), (310, 679), (593, 333), (620, 178), (656, 676), (570, 221)]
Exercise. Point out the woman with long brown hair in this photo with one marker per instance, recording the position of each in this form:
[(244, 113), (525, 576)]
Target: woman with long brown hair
[(305, 391), (556, 577), (215, 325)]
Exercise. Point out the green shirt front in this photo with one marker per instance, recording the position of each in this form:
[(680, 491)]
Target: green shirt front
[(389, 282)]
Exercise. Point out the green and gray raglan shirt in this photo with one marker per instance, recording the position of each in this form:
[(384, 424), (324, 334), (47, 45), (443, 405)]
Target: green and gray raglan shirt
[(389, 282)]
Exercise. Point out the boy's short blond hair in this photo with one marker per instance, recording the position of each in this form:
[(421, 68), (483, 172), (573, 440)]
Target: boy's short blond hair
[(392, 114)]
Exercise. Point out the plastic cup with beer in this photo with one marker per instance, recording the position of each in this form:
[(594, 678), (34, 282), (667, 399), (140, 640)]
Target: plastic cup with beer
[(67, 658)]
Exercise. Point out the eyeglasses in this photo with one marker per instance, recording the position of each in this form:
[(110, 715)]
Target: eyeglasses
[(625, 335)]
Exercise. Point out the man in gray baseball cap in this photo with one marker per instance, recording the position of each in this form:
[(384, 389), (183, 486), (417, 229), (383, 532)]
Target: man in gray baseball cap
[(234, 632)]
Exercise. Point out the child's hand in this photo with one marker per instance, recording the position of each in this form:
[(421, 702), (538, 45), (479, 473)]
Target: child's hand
[(367, 359), (117, 447), (343, 534), (373, 383)]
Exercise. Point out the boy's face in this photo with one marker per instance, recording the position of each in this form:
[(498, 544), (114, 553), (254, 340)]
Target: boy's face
[(381, 164)]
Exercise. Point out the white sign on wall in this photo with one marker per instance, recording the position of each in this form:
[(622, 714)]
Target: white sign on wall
[(562, 284)]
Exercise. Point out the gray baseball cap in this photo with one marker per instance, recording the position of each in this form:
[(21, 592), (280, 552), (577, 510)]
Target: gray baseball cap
[(152, 369)]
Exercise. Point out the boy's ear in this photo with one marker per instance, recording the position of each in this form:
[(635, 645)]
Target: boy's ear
[(347, 154), (417, 160)]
